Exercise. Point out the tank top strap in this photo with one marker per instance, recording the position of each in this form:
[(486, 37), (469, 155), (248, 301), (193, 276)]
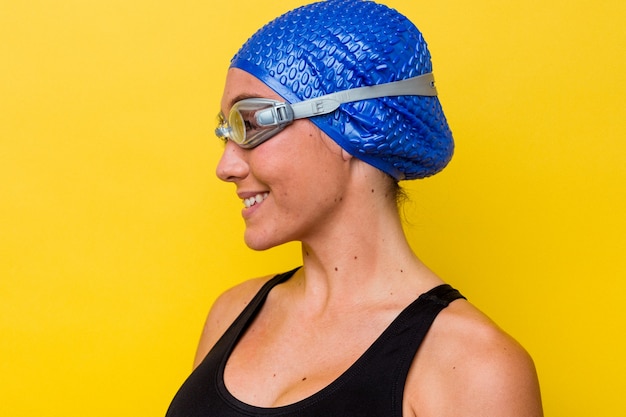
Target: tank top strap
[(253, 307), (394, 352), (443, 294), (412, 324)]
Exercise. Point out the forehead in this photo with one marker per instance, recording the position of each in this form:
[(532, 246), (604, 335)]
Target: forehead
[(240, 85)]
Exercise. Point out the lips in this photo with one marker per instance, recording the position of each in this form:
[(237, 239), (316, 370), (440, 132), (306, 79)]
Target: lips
[(255, 199)]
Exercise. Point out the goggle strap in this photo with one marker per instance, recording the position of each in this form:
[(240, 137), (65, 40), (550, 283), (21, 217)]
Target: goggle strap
[(278, 114), (422, 85)]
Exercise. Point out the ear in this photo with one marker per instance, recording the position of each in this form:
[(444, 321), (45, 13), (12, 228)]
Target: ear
[(345, 155)]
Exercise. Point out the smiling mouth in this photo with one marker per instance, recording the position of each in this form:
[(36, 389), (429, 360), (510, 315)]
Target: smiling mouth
[(249, 202)]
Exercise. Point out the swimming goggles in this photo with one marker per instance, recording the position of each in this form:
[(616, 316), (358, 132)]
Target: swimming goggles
[(252, 121)]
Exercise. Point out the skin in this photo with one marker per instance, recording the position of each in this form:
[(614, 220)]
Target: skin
[(358, 274)]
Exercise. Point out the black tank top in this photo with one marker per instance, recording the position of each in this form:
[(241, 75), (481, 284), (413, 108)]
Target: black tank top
[(372, 387)]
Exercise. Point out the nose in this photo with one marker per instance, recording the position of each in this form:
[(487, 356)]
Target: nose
[(233, 165)]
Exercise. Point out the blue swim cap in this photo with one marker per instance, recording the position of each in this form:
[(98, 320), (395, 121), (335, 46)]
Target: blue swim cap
[(336, 45)]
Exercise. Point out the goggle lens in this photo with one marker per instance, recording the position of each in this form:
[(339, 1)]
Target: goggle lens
[(242, 126), (238, 126)]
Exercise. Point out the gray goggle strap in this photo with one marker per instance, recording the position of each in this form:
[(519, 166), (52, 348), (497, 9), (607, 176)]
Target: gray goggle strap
[(284, 113)]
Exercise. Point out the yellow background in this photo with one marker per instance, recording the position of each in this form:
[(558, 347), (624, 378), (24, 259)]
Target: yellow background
[(115, 236)]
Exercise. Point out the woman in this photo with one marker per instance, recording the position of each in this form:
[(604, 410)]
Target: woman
[(363, 328)]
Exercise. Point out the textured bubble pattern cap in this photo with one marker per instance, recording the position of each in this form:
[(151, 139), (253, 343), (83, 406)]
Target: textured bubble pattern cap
[(335, 45)]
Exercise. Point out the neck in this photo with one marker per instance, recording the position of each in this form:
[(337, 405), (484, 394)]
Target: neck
[(365, 258)]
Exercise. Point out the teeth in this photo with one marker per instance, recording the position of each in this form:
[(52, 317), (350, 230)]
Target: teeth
[(249, 202)]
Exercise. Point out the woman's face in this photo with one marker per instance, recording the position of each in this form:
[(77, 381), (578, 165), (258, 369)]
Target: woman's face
[(291, 185)]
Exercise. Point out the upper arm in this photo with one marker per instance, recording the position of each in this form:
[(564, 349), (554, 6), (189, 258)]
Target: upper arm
[(223, 312), (469, 367), (500, 381)]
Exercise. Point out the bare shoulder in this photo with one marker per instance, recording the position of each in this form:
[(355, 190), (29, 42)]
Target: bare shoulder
[(224, 311), (468, 366)]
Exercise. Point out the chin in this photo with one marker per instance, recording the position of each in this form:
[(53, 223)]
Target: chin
[(259, 243)]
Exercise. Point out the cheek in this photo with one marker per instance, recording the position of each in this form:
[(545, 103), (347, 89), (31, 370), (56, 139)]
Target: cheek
[(280, 156), (300, 161), (267, 163)]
